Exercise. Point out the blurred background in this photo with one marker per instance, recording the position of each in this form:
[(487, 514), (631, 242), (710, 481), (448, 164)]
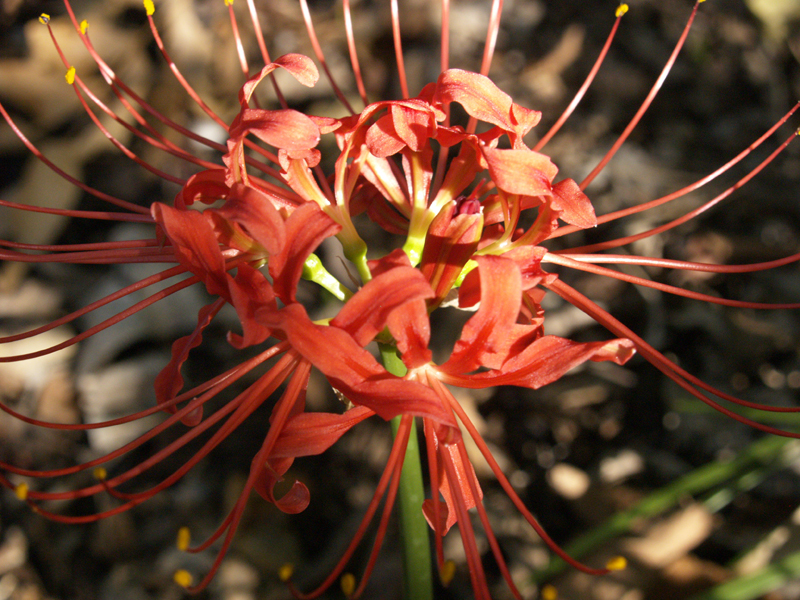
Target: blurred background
[(699, 500)]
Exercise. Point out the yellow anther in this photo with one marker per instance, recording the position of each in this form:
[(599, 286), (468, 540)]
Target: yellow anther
[(798, 131), (100, 473), (149, 7), (183, 578), (348, 583), (617, 563), (285, 572), (70, 76), (621, 10), (44, 18), (448, 572), (548, 592), (21, 491), (228, 2), (84, 26), (184, 538)]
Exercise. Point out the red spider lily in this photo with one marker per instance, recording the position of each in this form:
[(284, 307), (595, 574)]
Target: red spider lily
[(459, 198)]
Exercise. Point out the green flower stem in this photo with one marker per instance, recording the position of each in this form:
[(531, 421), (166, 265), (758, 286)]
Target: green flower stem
[(314, 270), (757, 584), (417, 562)]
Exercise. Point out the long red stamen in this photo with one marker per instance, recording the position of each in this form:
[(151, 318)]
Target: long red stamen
[(646, 104), (515, 499), (398, 49), (662, 363), (89, 190), (585, 86), (312, 36), (391, 471), (587, 267), (351, 47), (691, 214), (567, 229)]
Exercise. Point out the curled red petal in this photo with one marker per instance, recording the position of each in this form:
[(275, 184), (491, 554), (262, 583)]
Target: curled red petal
[(308, 434), (464, 471), (572, 205), (250, 293), (169, 382), (207, 187), (300, 66), (382, 138), (544, 361), (482, 99), (288, 129), (295, 501), (492, 334), (354, 371), (195, 244), (306, 227), (254, 211), (367, 312), (521, 171)]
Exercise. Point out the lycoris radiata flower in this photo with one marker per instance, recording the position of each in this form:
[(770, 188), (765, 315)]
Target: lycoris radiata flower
[(470, 209)]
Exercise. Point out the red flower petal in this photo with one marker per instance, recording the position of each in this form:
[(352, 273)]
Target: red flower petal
[(464, 471), (169, 382), (353, 371), (306, 227), (492, 334), (367, 312), (308, 434), (301, 67), (295, 501), (573, 206), (250, 293), (544, 361), (206, 186), (254, 211), (521, 171), (196, 246), (451, 241), (482, 99), (287, 129)]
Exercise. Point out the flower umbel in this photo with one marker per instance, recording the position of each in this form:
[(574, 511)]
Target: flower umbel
[(473, 209)]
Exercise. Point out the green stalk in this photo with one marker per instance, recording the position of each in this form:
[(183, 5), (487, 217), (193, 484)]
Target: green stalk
[(417, 563), (757, 584), (764, 453)]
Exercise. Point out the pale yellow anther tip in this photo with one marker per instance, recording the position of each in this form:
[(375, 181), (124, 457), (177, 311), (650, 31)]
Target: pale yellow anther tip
[(285, 572), (21, 491), (184, 538), (44, 18), (448, 572), (348, 583), (183, 578), (149, 7), (621, 10), (100, 473), (548, 592), (797, 132), (84, 26), (618, 563), (70, 76)]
